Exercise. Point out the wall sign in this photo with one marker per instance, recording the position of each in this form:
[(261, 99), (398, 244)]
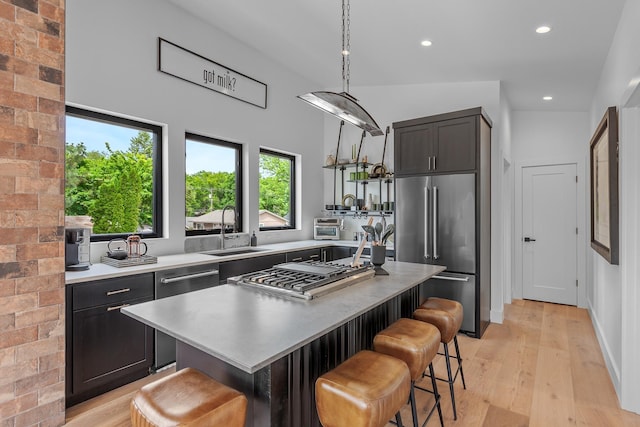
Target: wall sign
[(189, 66)]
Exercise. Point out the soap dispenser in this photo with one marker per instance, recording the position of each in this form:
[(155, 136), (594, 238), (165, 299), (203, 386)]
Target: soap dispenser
[(254, 239)]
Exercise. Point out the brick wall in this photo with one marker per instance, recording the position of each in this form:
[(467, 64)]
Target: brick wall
[(31, 213)]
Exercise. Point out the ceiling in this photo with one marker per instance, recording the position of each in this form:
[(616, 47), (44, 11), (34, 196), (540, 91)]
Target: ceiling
[(473, 40)]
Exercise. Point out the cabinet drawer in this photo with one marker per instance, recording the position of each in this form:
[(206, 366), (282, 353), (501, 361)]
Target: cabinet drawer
[(112, 291), (304, 255)]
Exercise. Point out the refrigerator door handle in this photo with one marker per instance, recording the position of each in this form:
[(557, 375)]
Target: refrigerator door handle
[(427, 256), (435, 223), (451, 278)]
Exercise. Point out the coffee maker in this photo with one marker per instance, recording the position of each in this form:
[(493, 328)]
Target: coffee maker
[(77, 245)]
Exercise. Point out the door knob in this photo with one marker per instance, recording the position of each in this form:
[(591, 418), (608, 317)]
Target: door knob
[(529, 239)]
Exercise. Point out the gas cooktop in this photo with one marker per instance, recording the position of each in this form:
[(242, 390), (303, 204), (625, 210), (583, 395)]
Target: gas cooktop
[(305, 280)]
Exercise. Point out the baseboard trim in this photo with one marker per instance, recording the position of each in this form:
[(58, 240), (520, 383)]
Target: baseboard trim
[(496, 316), (614, 370)]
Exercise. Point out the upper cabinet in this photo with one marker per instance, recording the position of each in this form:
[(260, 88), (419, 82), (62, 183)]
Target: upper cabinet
[(438, 144), (414, 148), (456, 142)]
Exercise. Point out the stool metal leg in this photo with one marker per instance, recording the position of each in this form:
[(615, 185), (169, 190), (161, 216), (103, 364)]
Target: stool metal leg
[(398, 419), (412, 398), (455, 342), (436, 395), (450, 381)]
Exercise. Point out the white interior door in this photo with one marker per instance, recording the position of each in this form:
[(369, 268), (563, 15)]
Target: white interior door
[(549, 234)]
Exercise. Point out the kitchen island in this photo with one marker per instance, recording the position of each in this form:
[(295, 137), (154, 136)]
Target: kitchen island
[(273, 348)]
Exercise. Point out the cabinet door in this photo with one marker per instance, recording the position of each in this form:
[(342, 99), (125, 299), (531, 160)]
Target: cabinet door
[(242, 266), (456, 145), (108, 346), (304, 255), (340, 252), (413, 147)]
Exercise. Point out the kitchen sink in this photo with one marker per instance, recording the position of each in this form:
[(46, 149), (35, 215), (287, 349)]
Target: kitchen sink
[(232, 251)]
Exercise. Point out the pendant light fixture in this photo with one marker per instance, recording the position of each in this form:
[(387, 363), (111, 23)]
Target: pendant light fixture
[(343, 105)]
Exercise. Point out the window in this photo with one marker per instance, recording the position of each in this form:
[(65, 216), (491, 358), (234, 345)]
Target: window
[(213, 181), (113, 174), (277, 190)]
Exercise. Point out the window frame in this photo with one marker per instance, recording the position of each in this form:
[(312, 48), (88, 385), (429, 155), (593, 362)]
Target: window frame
[(157, 133), (239, 181), (292, 189)]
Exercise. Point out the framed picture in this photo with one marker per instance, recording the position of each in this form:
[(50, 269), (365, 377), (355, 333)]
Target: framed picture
[(604, 187)]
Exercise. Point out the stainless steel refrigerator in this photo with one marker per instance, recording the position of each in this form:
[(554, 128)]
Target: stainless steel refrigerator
[(436, 223)]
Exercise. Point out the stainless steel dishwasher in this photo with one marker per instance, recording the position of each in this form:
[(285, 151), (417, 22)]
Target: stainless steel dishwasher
[(175, 282)]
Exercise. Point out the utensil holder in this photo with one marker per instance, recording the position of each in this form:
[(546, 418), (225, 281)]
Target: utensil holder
[(378, 256)]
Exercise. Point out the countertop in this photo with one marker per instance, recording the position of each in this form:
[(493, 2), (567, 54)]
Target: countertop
[(250, 329), (104, 271)]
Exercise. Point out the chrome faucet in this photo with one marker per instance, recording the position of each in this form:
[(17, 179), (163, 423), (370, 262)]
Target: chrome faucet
[(222, 232)]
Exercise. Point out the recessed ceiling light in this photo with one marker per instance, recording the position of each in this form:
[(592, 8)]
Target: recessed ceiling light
[(426, 43), (543, 29), (547, 98)]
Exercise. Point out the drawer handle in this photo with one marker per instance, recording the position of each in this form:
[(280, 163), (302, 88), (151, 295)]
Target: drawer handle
[(189, 276), (314, 256), (118, 307), (297, 259), (119, 291)]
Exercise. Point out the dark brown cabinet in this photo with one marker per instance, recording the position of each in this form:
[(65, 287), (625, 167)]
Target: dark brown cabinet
[(304, 255), (366, 251), (414, 147), (338, 252), (456, 143), (105, 349), (436, 144), (248, 265)]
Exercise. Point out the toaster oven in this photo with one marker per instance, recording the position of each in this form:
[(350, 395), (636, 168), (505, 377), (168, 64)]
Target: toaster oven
[(326, 228)]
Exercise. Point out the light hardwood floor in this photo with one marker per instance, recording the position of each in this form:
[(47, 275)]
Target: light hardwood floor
[(541, 367)]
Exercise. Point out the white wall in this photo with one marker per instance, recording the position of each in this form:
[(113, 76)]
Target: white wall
[(507, 198), (612, 300), (388, 104), (629, 388), (112, 65), (505, 128), (543, 138), (540, 135)]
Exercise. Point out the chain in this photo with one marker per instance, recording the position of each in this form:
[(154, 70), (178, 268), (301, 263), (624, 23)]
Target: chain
[(346, 45)]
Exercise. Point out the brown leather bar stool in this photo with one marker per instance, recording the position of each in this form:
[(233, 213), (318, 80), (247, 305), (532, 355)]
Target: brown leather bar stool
[(416, 343), (188, 398), (365, 390), (446, 315)]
